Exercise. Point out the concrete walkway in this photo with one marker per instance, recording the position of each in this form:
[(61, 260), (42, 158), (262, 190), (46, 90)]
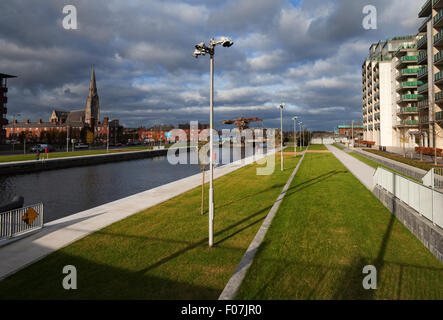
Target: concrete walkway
[(60, 233), (360, 170)]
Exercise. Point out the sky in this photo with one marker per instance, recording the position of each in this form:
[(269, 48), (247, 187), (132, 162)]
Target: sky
[(304, 53)]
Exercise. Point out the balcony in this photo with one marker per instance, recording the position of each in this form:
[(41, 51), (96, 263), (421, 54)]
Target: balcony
[(424, 25), (422, 58), (439, 97), (408, 110), (438, 19), (438, 58), (439, 116), (422, 73), (5, 110), (410, 97), (3, 90), (438, 39), (422, 43), (424, 120), (409, 85), (438, 78), (423, 104), (438, 4), (3, 99), (408, 123), (423, 88), (377, 106), (425, 10), (377, 116), (409, 72), (377, 126)]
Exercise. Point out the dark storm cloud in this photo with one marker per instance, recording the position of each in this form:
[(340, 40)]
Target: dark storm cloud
[(308, 56)]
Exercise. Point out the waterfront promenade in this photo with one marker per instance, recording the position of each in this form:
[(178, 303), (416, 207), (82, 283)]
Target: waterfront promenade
[(62, 232)]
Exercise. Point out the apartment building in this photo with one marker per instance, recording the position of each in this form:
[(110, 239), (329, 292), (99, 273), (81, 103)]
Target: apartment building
[(3, 101), (390, 97), (430, 46)]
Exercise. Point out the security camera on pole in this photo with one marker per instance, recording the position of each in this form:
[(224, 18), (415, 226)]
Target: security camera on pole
[(200, 50)]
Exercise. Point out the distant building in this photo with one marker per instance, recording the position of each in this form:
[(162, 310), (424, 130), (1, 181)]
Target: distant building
[(3, 101), (75, 124)]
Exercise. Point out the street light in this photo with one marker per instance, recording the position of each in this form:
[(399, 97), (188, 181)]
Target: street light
[(295, 135), (301, 137), (281, 106), (200, 50)]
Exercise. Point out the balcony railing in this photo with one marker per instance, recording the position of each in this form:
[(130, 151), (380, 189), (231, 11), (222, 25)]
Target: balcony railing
[(408, 110), (423, 120), (409, 122), (423, 88), (422, 72), (409, 71), (421, 42), (439, 96), (439, 116), (377, 106), (411, 96), (438, 18), (438, 37), (423, 104)]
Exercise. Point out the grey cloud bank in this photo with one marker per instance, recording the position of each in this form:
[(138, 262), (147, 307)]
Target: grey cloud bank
[(305, 53)]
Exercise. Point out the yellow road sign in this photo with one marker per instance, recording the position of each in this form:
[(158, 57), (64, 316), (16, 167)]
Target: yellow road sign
[(30, 216)]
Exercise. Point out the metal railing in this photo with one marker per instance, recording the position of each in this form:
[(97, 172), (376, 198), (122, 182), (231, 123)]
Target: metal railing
[(434, 178), (20, 221), (425, 200)]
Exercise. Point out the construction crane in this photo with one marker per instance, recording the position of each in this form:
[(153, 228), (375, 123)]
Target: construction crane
[(243, 123)]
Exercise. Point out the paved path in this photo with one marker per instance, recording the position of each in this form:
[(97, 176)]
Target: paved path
[(60, 233), (360, 170)]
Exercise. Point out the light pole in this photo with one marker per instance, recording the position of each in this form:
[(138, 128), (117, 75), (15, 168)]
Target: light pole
[(202, 49), (295, 135), (107, 140), (301, 137), (281, 106)]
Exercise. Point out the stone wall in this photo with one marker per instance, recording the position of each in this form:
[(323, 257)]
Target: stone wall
[(431, 236)]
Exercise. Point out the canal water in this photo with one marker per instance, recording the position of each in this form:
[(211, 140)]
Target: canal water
[(68, 191)]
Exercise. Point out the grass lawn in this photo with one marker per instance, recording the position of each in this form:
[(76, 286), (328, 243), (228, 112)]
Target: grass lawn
[(339, 146), (317, 147), (327, 229), (291, 149), (161, 253), (53, 155), (421, 165), (375, 165)]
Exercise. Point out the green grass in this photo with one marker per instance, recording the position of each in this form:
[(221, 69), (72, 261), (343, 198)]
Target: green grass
[(291, 149), (339, 146), (327, 229), (317, 147), (53, 155), (375, 165), (421, 165), (162, 252)]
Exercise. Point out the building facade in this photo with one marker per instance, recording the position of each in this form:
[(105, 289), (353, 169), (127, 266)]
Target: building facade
[(81, 125), (430, 46), (3, 101), (390, 92)]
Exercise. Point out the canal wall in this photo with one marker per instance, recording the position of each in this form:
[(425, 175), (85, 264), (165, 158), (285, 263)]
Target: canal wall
[(19, 167)]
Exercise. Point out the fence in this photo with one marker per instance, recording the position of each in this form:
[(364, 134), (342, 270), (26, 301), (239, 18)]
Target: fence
[(434, 178), (20, 221), (423, 199)]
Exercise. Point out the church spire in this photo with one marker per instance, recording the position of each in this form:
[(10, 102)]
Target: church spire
[(92, 109)]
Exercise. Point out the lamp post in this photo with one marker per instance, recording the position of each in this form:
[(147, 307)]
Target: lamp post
[(301, 137), (281, 106), (295, 135), (67, 137), (200, 50)]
